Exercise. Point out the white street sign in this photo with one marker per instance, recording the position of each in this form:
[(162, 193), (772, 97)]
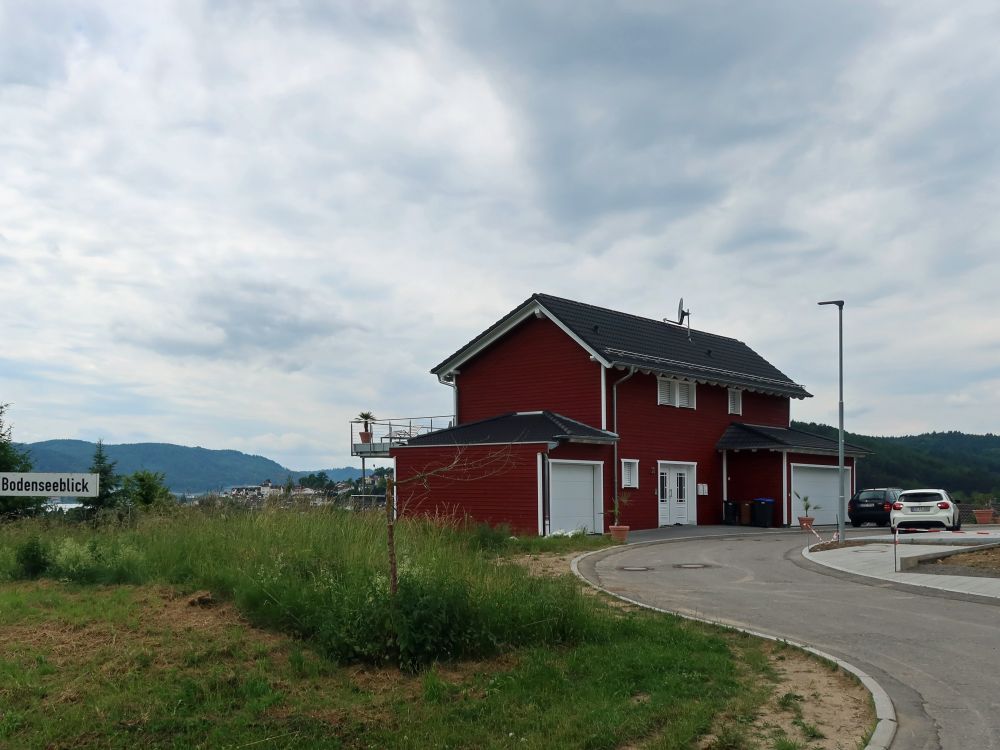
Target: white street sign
[(33, 484)]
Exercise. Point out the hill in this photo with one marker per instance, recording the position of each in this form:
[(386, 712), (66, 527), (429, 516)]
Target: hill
[(955, 461), (186, 469)]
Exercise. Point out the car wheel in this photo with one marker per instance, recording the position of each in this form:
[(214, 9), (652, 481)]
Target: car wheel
[(883, 523), (855, 524), (958, 525)]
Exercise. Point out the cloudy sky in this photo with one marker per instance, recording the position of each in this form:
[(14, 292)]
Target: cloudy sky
[(236, 224)]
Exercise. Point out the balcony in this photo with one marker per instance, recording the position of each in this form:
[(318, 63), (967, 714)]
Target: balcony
[(384, 434)]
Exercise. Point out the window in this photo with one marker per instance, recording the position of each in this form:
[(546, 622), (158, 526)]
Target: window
[(673, 392), (735, 401), (630, 472)]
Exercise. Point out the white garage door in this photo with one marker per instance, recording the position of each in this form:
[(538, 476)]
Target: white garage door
[(573, 498), (820, 485)]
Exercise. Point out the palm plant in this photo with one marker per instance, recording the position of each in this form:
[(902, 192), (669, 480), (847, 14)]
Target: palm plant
[(806, 505), (620, 500)]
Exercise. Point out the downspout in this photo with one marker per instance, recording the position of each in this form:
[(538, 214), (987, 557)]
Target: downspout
[(614, 420), (453, 384)]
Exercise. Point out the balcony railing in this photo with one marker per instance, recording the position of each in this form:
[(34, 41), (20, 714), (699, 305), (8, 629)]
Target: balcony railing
[(383, 434)]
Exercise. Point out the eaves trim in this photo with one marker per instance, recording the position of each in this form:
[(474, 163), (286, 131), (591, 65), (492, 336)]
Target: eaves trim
[(467, 445), (709, 375)]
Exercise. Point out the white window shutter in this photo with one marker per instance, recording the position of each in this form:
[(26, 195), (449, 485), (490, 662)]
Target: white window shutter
[(685, 395), (735, 401), (630, 473), (665, 391)]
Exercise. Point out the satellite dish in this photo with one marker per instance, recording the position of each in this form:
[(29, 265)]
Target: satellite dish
[(681, 314)]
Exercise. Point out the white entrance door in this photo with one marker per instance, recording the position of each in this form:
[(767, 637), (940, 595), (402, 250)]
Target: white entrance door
[(675, 493), (574, 500)]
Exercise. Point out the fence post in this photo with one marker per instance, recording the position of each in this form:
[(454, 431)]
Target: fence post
[(390, 521)]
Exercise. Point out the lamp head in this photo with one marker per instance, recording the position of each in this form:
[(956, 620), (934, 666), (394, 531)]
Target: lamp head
[(838, 302)]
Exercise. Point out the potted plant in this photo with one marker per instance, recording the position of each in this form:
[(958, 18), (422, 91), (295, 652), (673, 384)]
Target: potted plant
[(367, 418), (806, 521), (984, 514), (619, 532)]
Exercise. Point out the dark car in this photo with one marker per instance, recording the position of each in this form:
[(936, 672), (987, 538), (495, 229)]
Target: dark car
[(872, 505)]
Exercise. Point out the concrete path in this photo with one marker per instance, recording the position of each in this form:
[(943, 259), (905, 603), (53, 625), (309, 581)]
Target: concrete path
[(936, 652), (888, 562)]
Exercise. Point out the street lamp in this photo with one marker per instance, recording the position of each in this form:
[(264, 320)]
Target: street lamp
[(842, 506)]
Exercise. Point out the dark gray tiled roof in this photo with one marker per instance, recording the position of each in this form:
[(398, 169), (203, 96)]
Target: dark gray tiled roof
[(746, 437), (631, 341), (516, 427)]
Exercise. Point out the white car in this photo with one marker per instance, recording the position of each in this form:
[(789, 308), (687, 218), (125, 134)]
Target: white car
[(925, 509)]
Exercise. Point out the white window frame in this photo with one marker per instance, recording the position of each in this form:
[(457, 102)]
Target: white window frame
[(736, 393), (634, 463), (668, 392)]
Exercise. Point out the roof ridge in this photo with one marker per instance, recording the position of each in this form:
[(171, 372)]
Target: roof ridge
[(541, 296)]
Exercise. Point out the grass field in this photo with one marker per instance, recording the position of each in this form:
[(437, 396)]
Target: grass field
[(299, 645)]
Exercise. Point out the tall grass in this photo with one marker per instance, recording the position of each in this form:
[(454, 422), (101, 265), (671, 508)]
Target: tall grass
[(321, 574)]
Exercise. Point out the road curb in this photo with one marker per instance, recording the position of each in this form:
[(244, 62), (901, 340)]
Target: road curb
[(885, 712)]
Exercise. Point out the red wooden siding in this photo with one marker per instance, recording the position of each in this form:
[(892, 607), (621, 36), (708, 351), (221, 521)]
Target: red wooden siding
[(654, 433), (754, 474), (758, 408), (535, 368), (493, 484)]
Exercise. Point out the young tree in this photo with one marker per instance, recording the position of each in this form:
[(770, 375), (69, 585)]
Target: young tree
[(146, 488), (14, 459), (108, 482)]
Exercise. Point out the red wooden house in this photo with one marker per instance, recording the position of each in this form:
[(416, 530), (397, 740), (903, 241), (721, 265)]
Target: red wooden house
[(560, 405)]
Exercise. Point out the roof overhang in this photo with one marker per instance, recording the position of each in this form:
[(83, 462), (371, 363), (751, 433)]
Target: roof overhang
[(708, 375), (745, 437)]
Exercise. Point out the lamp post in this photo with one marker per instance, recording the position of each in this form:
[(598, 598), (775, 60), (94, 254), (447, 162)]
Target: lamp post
[(841, 505)]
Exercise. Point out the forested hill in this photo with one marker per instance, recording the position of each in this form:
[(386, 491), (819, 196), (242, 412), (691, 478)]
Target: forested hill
[(954, 461), (186, 469)]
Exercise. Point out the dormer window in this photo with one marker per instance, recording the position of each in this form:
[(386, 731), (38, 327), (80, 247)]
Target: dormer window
[(674, 392), (735, 401)]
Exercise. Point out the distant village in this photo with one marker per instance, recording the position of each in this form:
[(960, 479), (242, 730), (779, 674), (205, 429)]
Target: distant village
[(315, 489)]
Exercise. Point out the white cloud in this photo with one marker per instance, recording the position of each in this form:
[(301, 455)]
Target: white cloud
[(238, 224)]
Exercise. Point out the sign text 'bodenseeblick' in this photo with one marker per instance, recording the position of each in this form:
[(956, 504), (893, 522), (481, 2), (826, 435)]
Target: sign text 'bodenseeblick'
[(32, 484)]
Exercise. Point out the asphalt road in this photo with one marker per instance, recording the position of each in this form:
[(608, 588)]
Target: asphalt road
[(936, 654)]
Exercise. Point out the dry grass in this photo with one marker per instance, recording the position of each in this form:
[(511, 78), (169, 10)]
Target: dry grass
[(986, 560)]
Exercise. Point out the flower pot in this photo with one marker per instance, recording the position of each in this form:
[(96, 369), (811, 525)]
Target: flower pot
[(806, 522), (619, 533), (366, 437), (983, 515)]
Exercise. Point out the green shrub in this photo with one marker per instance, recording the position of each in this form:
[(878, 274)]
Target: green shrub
[(32, 558), (126, 564), (75, 562), (488, 538)]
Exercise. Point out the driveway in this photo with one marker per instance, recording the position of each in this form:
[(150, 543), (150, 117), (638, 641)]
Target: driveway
[(937, 654)]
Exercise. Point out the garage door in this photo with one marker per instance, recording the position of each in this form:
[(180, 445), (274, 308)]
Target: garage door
[(820, 485), (573, 499)]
